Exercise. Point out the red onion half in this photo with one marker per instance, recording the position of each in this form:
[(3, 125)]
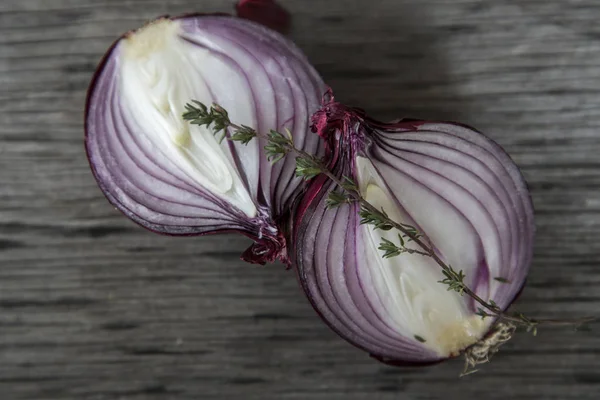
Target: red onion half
[(175, 178), (458, 188)]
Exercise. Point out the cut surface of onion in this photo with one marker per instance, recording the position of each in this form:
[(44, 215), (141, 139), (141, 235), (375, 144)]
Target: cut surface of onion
[(177, 178), (459, 190)]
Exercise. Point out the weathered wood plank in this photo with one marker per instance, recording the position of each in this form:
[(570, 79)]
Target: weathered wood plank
[(93, 307)]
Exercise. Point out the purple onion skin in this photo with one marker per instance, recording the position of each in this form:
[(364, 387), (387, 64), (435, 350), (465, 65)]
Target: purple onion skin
[(268, 247), (335, 118)]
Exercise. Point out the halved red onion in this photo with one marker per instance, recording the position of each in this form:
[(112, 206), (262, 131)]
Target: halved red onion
[(176, 178), (458, 188)]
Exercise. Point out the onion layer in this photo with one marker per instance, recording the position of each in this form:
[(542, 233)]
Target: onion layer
[(458, 188), (179, 179)]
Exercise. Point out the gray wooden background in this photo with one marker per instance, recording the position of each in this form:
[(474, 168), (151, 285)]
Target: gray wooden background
[(94, 307)]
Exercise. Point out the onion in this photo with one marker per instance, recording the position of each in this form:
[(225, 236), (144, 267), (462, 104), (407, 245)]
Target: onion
[(458, 188), (178, 179)]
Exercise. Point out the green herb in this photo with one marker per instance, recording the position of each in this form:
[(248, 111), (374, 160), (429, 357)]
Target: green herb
[(308, 167), (390, 249), (349, 184), (420, 339), (454, 280), (244, 135), (336, 199), (378, 219)]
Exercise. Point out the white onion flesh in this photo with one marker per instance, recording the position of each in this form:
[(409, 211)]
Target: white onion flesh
[(408, 284), (160, 73)]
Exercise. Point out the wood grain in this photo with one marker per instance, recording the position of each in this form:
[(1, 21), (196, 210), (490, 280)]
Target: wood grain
[(94, 307)]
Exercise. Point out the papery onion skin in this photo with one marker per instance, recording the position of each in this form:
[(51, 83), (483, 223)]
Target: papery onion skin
[(329, 254), (140, 179)]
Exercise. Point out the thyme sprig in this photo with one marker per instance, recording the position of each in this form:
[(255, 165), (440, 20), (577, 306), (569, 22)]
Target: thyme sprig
[(309, 166), (336, 199)]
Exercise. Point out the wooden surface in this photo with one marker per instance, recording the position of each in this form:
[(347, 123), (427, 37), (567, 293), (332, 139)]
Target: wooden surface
[(94, 307)]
